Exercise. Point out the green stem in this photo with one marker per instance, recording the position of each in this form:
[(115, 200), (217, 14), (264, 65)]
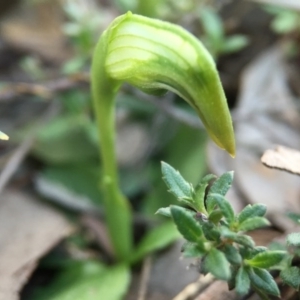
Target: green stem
[(117, 208)]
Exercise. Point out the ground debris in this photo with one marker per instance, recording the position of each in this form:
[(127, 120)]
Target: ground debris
[(28, 230)]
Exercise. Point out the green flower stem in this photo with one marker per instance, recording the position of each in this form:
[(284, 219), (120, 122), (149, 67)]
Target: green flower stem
[(117, 208), (156, 57)]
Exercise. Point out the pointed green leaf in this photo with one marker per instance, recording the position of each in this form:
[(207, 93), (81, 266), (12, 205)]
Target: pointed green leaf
[(266, 259), (250, 211), (224, 206), (111, 283), (253, 223), (242, 281), (293, 239), (216, 263), (232, 254), (199, 198), (262, 280), (156, 239), (176, 183), (215, 216), (187, 224), (220, 186), (294, 217), (291, 277), (241, 239), (235, 43), (193, 250), (164, 211), (210, 231), (207, 178)]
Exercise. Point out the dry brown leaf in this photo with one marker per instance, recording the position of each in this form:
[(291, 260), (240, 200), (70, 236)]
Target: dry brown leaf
[(282, 158), (37, 29), (28, 230)]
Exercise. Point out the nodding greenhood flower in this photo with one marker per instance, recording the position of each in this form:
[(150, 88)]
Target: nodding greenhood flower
[(156, 56)]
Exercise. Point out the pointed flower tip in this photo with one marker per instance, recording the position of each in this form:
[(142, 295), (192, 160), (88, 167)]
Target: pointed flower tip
[(3, 136)]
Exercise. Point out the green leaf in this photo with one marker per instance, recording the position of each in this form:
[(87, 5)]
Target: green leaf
[(253, 223), (266, 259), (262, 280), (199, 197), (156, 239), (57, 140), (235, 43), (242, 281), (176, 183), (250, 211), (225, 207), (244, 240), (293, 239), (164, 211), (241, 239), (216, 263), (291, 277), (192, 250), (294, 217), (81, 180), (215, 216), (220, 186), (91, 282), (187, 224), (232, 254), (210, 231)]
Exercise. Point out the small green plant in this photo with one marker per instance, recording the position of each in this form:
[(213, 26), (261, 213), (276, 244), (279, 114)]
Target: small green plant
[(214, 36), (286, 22), (216, 236)]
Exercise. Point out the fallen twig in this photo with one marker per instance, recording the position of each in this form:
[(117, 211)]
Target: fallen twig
[(195, 288), (145, 278)]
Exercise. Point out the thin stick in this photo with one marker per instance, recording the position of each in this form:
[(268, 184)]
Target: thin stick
[(145, 278), (194, 288), (15, 161)]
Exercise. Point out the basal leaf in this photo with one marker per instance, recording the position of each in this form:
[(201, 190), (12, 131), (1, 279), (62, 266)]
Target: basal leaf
[(107, 283), (156, 239)]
